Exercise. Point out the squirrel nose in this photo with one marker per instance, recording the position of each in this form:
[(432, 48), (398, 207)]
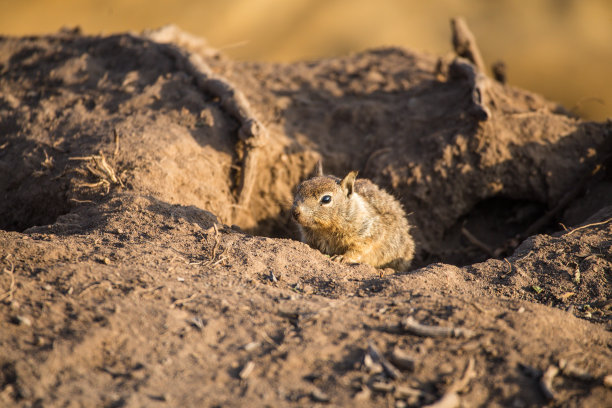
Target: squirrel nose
[(295, 212)]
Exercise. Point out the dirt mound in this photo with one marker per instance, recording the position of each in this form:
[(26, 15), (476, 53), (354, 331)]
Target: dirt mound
[(131, 169)]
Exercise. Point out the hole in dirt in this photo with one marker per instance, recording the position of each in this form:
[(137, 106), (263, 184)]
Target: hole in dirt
[(488, 229), (36, 208), (32, 191)]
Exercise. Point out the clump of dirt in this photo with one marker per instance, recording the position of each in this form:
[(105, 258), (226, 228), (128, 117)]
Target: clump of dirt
[(132, 167)]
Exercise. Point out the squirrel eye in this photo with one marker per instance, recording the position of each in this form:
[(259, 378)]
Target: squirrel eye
[(326, 199)]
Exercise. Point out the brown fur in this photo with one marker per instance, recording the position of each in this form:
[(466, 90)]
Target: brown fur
[(361, 224)]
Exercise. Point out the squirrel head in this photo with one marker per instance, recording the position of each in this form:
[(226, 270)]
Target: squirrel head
[(324, 202)]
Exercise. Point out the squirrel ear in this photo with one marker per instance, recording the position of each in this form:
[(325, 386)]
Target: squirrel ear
[(348, 183), (319, 169)]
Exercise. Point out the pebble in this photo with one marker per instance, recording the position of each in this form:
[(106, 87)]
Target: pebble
[(247, 370), (251, 346), (402, 359), (382, 387), (319, 396), (22, 320)]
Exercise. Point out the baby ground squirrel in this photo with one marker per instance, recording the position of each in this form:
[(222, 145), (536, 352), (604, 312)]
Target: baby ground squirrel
[(353, 221)]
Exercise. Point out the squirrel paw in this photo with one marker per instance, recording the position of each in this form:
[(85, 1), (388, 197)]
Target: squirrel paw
[(344, 258), (337, 258)]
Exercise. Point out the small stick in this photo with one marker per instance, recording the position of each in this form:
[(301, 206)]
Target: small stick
[(96, 284), (215, 246), (246, 370), (412, 326), (180, 302), (546, 382), (468, 375), (11, 290), (116, 142), (81, 201), (475, 241), (588, 225), (379, 358), (451, 399), (149, 290)]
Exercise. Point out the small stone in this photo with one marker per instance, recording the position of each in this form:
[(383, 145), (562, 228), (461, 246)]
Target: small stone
[(371, 366), (251, 346), (363, 395), (106, 261), (319, 396), (402, 360), (400, 404), (404, 392), (22, 320), (383, 387), (246, 370), (521, 310), (607, 381)]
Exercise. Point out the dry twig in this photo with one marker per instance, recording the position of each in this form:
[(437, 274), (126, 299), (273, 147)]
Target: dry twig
[(246, 370), (379, 358), (451, 399), (412, 326), (546, 382), (475, 241), (180, 302), (588, 225), (100, 168), (212, 261), (11, 273), (116, 135)]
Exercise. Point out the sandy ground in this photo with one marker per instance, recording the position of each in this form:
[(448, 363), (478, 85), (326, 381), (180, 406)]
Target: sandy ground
[(148, 257)]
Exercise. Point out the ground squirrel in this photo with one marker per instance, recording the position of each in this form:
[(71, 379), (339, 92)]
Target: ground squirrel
[(353, 221)]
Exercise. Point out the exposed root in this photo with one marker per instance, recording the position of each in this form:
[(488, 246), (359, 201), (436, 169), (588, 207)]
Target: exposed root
[(116, 136), (213, 261), (100, 168), (464, 43), (469, 66), (546, 382), (462, 69), (9, 294), (588, 225), (475, 241), (180, 302), (451, 399), (252, 133)]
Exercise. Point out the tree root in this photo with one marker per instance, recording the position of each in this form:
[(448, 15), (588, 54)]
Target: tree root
[(252, 133)]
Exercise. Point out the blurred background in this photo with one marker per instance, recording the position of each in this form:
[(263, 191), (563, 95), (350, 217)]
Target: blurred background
[(559, 48)]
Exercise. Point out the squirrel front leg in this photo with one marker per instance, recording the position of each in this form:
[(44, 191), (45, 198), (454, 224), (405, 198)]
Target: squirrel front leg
[(349, 257)]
